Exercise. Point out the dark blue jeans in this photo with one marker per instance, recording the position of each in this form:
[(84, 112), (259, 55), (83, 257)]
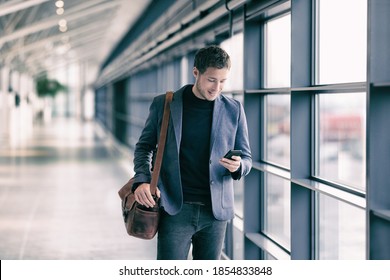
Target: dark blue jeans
[(193, 224)]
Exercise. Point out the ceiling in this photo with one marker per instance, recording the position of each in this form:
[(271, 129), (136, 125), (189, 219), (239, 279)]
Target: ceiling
[(31, 40)]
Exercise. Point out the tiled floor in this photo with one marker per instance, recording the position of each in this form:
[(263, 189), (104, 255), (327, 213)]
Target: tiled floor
[(58, 195)]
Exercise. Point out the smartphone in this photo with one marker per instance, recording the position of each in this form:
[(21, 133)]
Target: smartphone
[(233, 153)]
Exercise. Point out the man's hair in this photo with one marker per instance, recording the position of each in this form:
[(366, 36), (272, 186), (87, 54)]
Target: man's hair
[(211, 56)]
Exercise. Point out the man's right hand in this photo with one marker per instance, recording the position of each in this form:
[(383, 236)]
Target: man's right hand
[(143, 195)]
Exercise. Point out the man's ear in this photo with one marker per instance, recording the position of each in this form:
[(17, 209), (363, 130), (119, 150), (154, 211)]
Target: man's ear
[(195, 72)]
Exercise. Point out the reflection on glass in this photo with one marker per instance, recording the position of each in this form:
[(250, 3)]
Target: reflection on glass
[(278, 52), (277, 144), (342, 41), (341, 230), (342, 134), (277, 209), (234, 46)]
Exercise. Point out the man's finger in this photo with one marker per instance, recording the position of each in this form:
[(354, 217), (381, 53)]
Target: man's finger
[(158, 193)]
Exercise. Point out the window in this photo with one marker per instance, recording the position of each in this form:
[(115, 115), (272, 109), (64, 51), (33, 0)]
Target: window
[(276, 75), (233, 88), (341, 230), (277, 144), (340, 126), (342, 41), (310, 102), (277, 209), (276, 196), (234, 46), (341, 138), (277, 52)]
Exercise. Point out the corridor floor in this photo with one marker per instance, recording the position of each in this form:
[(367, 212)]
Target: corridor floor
[(58, 195)]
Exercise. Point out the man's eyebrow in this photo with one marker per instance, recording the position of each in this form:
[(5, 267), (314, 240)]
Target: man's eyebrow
[(216, 78)]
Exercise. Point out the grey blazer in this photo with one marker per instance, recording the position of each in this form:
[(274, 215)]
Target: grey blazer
[(229, 131)]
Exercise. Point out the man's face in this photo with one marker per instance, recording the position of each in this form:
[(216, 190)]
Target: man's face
[(208, 86)]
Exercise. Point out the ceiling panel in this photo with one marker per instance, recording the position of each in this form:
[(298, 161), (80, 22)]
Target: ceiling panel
[(31, 40)]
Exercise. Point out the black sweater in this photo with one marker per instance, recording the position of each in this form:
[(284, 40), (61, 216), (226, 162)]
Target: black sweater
[(195, 147)]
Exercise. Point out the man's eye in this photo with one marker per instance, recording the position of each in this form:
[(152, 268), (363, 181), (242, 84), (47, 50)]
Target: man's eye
[(211, 81)]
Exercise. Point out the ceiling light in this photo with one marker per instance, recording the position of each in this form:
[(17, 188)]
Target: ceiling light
[(62, 22), (63, 28), (59, 4), (60, 11)]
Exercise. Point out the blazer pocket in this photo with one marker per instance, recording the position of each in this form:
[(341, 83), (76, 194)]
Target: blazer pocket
[(227, 192)]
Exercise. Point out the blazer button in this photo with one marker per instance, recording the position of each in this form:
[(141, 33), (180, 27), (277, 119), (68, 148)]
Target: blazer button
[(211, 182)]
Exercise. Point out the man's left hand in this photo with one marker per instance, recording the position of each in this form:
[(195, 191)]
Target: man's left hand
[(232, 164)]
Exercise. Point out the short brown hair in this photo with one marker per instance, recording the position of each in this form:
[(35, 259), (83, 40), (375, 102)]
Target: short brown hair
[(211, 56)]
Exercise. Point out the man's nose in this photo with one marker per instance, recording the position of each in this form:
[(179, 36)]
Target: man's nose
[(217, 86)]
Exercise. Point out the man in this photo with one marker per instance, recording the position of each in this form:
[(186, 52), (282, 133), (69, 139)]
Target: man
[(196, 181)]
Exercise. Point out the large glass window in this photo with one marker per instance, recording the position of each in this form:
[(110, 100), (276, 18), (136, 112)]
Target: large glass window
[(341, 230), (234, 46), (341, 138), (342, 41), (276, 75), (277, 52), (332, 116), (341, 126), (277, 209), (233, 87), (276, 69), (277, 144)]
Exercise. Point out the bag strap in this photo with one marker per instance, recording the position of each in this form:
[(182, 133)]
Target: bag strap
[(161, 143)]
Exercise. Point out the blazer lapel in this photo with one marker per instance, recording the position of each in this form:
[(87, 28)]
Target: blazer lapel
[(176, 115), (217, 115)]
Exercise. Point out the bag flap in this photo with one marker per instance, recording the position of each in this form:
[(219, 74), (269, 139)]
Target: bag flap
[(129, 201), (126, 189)]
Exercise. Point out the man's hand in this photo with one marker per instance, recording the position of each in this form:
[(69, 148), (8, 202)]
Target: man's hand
[(143, 195), (231, 164)]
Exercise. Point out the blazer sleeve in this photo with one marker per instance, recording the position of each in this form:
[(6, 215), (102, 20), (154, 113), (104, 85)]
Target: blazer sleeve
[(146, 145)]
